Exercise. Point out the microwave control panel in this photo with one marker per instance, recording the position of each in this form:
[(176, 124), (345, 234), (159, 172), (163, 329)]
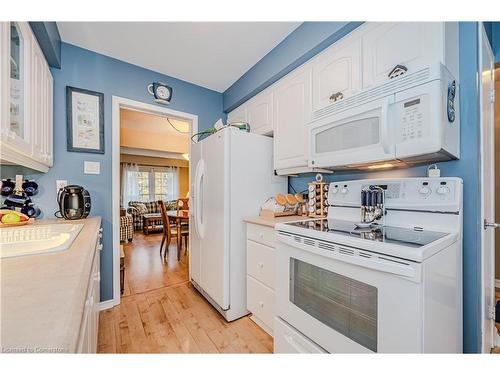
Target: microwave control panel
[(411, 114)]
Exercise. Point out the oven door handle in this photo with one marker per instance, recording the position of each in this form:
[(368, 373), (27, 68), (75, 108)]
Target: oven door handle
[(379, 263)]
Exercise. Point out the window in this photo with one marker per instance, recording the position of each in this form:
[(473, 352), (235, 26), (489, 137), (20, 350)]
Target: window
[(144, 183), (165, 186), (142, 178)]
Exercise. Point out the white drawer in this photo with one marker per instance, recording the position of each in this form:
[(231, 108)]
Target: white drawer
[(289, 340), (260, 301), (261, 262), (261, 234)]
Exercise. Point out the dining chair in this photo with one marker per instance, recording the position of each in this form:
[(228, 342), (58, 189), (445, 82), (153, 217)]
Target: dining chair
[(183, 204), (170, 231)]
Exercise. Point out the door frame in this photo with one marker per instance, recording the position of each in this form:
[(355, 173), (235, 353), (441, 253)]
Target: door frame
[(124, 103), (483, 42)]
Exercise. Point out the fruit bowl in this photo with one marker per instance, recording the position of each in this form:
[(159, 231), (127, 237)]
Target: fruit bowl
[(11, 218), (30, 221)]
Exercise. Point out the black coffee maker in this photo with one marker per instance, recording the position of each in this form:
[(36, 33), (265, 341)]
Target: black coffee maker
[(74, 202)]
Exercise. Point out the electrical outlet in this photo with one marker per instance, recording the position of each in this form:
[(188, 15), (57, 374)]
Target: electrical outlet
[(60, 184)]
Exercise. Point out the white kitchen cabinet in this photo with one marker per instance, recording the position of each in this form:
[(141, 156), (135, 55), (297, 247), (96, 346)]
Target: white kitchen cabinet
[(337, 72), (87, 339), (292, 112), (260, 113), (411, 44), (25, 99), (238, 114), (261, 261)]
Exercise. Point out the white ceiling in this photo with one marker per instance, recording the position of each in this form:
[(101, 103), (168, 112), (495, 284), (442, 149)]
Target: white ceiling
[(146, 122), (210, 54)]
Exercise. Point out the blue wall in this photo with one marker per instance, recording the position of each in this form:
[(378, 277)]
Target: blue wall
[(305, 41), (85, 69), (495, 38)]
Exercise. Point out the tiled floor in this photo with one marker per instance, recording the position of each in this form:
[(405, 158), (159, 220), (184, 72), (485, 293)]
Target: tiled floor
[(160, 312)]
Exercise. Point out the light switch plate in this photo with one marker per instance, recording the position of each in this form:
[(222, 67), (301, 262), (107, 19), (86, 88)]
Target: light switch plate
[(91, 167)]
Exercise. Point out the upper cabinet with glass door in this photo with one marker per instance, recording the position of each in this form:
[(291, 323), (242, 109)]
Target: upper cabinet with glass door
[(26, 84)]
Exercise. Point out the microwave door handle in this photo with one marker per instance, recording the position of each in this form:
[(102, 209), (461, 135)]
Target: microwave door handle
[(384, 124)]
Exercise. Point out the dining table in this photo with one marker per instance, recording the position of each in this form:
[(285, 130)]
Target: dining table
[(179, 216)]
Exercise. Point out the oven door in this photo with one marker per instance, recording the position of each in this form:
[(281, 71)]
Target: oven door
[(356, 136), (347, 300)]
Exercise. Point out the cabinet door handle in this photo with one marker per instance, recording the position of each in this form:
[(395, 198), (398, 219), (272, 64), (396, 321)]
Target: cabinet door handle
[(261, 304), (397, 71), (336, 96), (261, 265)]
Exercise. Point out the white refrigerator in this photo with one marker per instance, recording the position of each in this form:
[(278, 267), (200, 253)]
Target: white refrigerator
[(231, 177)]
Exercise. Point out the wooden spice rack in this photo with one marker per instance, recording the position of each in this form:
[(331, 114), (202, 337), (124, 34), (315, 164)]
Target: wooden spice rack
[(318, 192)]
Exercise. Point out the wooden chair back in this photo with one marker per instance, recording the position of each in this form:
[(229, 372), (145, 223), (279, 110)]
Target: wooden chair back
[(166, 222)]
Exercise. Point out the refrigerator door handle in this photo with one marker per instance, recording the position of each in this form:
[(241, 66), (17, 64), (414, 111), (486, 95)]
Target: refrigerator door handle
[(198, 199)]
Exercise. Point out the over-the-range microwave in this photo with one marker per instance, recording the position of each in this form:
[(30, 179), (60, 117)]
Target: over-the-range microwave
[(410, 119)]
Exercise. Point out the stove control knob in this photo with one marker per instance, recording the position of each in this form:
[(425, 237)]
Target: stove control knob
[(443, 190), (334, 190), (425, 191), (344, 190)]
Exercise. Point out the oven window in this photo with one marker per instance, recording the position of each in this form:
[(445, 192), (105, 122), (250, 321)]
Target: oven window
[(344, 304)]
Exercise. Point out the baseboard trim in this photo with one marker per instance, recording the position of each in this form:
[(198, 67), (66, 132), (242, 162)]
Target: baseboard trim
[(497, 283), (104, 305)]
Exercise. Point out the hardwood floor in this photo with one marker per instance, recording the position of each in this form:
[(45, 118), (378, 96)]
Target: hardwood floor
[(160, 312)]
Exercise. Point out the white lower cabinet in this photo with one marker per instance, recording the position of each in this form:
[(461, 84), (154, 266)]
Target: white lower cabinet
[(261, 263), (87, 341), (260, 301)]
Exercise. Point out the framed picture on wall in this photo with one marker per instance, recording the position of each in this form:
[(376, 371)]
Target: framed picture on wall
[(85, 120)]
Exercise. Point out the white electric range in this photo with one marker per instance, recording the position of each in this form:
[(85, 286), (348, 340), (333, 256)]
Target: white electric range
[(395, 287)]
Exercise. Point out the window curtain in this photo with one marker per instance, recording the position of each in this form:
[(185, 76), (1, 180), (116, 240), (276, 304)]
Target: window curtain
[(129, 184), (172, 183), (147, 183)]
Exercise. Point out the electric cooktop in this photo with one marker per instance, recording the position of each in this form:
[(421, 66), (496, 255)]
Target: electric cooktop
[(387, 234)]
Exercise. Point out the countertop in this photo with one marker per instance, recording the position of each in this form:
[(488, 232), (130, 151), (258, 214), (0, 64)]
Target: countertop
[(271, 222), (43, 296)]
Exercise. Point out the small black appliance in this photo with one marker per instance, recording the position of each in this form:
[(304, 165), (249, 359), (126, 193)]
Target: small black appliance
[(74, 202)]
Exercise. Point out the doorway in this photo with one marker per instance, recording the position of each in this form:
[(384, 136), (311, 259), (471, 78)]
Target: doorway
[(139, 141), (490, 337)]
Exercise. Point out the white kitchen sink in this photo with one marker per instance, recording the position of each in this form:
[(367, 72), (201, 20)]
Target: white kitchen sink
[(37, 239)]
